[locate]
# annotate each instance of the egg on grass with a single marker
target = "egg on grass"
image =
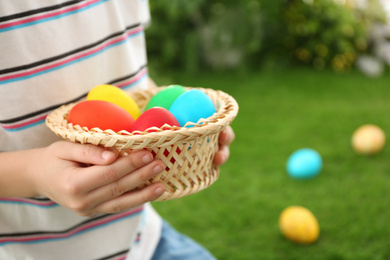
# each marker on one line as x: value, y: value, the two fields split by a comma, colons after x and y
x: 299, y: 225
x: 304, y: 163
x: 368, y: 139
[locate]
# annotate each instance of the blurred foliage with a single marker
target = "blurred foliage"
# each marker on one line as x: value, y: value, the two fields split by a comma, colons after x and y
x: 219, y: 35
x: 193, y: 34
x: 324, y: 33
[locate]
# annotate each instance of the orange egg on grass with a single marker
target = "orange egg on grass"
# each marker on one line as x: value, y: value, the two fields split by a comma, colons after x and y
x: 368, y: 139
x: 298, y: 224
x: 101, y: 114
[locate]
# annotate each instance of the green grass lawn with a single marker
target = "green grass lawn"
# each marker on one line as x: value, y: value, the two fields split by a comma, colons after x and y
x: 280, y: 112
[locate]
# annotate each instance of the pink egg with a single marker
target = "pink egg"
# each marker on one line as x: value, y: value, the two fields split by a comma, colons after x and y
x: 154, y: 117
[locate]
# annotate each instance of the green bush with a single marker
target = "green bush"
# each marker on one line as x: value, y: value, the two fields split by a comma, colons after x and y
x: 198, y: 34
x: 323, y: 33
x: 218, y: 35
x: 171, y: 39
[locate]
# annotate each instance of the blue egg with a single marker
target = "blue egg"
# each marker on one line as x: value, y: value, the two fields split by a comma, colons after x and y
x: 304, y: 163
x: 192, y: 106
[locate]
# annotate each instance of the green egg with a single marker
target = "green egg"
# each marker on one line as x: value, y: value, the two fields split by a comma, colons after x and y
x: 166, y: 97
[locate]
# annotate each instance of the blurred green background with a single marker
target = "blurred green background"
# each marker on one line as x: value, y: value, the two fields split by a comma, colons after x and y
x: 305, y: 74
x: 201, y: 35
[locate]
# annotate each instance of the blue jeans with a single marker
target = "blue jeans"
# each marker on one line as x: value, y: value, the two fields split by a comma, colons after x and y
x: 176, y: 246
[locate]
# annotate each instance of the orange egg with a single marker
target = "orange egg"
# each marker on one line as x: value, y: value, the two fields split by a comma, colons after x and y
x: 368, y: 139
x: 101, y: 114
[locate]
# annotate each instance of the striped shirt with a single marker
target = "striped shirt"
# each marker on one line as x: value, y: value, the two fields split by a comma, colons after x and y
x: 52, y: 52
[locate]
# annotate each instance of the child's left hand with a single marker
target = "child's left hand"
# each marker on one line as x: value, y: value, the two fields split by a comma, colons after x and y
x: 225, y: 139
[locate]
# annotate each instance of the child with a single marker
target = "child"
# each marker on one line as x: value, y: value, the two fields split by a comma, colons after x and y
x: 51, y: 205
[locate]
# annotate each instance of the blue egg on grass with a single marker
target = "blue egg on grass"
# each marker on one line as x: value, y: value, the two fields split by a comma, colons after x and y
x: 192, y: 106
x: 304, y: 163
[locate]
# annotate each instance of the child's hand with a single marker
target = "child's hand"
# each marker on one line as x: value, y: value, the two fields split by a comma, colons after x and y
x: 109, y: 185
x: 225, y: 139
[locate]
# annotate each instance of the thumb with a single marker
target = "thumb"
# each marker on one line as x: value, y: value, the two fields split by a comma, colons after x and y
x: 85, y: 153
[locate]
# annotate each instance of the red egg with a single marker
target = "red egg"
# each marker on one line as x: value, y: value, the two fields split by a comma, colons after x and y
x: 101, y: 114
x: 154, y: 117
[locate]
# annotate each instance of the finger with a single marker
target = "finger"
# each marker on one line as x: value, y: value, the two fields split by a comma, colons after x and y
x: 98, y: 176
x: 84, y: 153
x: 222, y: 155
x: 132, y: 199
x: 227, y: 136
x: 129, y: 182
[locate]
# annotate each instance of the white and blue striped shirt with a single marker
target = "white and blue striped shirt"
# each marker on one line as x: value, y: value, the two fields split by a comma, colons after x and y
x: 52, y: 52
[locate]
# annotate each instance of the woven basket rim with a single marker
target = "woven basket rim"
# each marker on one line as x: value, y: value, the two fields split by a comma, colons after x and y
x: 227, y: 109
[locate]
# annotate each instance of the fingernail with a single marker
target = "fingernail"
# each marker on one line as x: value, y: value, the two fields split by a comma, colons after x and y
x: 223, y: 136
x: 107, y: 154
x: 158, y: 192
x: 157, y: 169
x: 223, y: 159
x: 147, y: 158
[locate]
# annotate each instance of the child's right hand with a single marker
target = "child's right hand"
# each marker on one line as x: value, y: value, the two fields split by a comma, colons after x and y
x: 109, y: 185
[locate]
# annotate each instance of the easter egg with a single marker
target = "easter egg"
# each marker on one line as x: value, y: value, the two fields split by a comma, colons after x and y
x: 101, y: 114
x: 154, y: 117
x: 368, y: 139
x: 192, y: 106
x: 166, y: 97
x: 304, y: 163
x: 298, y: 224
x: 116, y: 96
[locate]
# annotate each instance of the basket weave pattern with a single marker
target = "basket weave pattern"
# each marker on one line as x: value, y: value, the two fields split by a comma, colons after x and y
x: 187, y: 152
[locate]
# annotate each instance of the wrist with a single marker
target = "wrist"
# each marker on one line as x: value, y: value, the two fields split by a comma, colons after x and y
x: 17, y: 170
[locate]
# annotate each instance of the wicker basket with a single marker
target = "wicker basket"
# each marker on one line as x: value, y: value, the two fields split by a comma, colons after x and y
x: 187, y: 152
